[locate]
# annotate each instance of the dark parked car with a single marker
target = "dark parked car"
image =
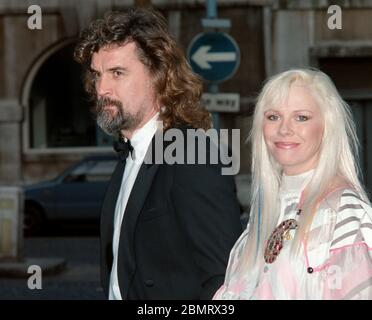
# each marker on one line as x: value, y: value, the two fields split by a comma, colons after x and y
x: 76, y: 194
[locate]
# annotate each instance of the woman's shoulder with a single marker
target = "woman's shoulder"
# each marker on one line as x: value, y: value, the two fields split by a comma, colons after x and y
x: 352, y: 200
x: 353, y: 219
x: 342, y: 195
x: 344, y: 221
x: 346, y: 200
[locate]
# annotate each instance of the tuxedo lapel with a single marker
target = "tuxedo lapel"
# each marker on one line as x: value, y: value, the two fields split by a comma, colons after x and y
x: 137, y: 197
x: 107, y: 222
x: 139, y: 192
x: 112, y: 192
x: 134, y: 206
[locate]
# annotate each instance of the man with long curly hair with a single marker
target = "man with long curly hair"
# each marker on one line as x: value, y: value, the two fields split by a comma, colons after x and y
x: 166, y: 230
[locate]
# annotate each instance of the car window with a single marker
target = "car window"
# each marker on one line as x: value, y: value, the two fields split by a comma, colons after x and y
x: 83, y: 168
x: 78, y: 174
x: 101, y: 170
x: 92, y: 171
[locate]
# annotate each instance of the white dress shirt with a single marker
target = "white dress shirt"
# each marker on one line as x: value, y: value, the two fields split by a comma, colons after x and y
x: 140, y: 141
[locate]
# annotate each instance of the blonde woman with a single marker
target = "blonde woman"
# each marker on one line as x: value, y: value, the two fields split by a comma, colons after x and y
x: 310, y: 231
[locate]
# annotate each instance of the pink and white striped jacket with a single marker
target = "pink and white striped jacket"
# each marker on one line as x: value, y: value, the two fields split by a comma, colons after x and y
x: 336, y: 263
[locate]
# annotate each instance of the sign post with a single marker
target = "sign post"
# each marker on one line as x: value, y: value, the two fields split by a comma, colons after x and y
x: 215, y: 56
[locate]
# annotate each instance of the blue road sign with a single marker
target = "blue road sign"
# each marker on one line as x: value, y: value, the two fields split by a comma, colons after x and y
x: 215, y: 56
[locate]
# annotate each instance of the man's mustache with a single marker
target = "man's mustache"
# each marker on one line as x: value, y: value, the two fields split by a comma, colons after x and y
x: 105, y: 101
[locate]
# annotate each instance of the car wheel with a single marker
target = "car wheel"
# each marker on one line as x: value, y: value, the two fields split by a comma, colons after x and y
x: 33, y: 220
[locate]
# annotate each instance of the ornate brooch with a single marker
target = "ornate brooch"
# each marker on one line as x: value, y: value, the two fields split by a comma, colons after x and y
x: 275, y: 243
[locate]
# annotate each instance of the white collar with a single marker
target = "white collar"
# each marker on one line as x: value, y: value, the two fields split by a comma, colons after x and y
x: 142, y: 137
x: 296, y: 183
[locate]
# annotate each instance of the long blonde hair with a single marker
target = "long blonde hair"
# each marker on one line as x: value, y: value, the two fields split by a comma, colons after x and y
x: 338, y: 158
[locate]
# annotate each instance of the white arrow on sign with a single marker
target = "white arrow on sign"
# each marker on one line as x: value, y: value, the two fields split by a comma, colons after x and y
x: 201, y: 57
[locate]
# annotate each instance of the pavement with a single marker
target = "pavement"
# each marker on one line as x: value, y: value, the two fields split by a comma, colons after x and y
x: 76, y: 274
x: 23, y: 267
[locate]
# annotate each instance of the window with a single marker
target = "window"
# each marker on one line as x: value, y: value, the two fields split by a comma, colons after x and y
x: 59, y: 108
x: 92, y: 171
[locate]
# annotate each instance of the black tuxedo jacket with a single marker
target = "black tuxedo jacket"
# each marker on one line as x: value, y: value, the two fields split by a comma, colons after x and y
x: 179, y: 226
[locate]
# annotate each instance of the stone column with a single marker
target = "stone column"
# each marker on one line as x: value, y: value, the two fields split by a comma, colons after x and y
x: 11, y: 115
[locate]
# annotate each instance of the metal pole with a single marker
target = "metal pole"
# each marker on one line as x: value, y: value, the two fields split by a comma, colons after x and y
x: 211, y: 9
x: 213, y: 87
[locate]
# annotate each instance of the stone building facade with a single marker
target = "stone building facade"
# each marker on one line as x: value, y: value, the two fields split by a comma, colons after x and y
x: 45, y: 123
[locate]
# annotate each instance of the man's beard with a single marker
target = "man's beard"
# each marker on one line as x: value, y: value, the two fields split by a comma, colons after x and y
x: 113, y: 122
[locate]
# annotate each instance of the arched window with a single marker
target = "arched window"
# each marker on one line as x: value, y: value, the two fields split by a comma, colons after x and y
x: 59, y: 110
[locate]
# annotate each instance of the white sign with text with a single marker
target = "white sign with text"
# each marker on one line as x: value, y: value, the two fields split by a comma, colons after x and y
x: 221, y: 102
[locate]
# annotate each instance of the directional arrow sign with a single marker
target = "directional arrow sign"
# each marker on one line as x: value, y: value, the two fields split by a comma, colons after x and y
x: 203, y: 56
x: 214, y: 56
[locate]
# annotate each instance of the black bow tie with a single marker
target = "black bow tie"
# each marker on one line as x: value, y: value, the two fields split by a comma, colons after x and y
x: 123, y: 148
